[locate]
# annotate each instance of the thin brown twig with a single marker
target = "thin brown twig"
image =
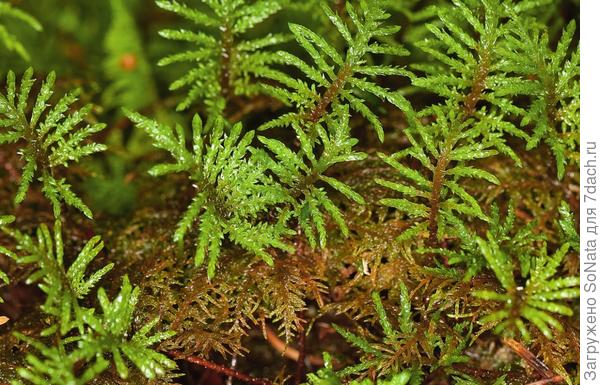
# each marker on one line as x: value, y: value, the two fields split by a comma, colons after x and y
x: 221, y: 369
x: 535, y: 363
x: 288, y: 351
x: 545, y: 381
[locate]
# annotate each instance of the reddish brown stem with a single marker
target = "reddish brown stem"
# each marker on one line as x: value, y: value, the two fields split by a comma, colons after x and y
x: 226, y: 53
x: 478, y: 84
x: 434, y: 201
x: 330, y: 94
x: 470, y: 102
x: 221, y: 369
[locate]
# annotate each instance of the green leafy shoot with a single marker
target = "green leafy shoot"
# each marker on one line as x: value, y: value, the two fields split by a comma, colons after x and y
x: 47, y: 138
x: 327, y: 376
x: 433, y: 195
x: 336, y: 78
x: 468, y: 67
x: 223, y: 56
x: 234, y: 190
x: 4, y: 221
x: 106, y: 334
x: 81, y: 338
x: 54, y: 366
x: 567, y: 226
x: 521, y: 241
x: 387, y: 357
x: 477, y: 85
x: 550, y: 79
x: 536, y: 301
x: 63, y: 287
x: 300, y: 171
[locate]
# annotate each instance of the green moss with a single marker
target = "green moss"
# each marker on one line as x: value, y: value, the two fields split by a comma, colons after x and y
x: 367, y: 182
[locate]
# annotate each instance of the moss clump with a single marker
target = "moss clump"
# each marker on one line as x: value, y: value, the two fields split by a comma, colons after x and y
x: 326, y: 193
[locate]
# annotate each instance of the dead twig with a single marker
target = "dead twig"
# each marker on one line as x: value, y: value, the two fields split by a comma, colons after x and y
x: 288, y: 351
x: 548, y: 375
x: 545, y: 381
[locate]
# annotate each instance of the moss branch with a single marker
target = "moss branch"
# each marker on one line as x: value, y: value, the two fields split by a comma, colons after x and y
x: 478, y: 85
x: 227, y: 44
x: 34, y: 145
x: 330, y: 94
x: 470, y: 103
x: 436, y: 190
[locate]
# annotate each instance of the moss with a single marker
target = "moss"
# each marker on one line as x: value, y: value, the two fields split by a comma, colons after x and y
x: 380, y: 193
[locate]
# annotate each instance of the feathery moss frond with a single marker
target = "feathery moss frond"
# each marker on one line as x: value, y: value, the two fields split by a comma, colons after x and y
x: 63, y: 287
x: 107, y: 332
x: 488, y: 62
x: 535, y: 302
x: 399, y: 343
x: 300, y: 171
x: 521, y: 242
x: 551, y: 81
x: 234, y: 190
x: 375, y: 355
x: 223, y: 59
x: 467, y: 66
x: 567, y: 226
x: 48, y: 138
x: 335, y: 78
x: 82, y: 337
x: 432, y: 195
x: 471, y: 123
x: 104, y: 335
x: 54, y: 366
